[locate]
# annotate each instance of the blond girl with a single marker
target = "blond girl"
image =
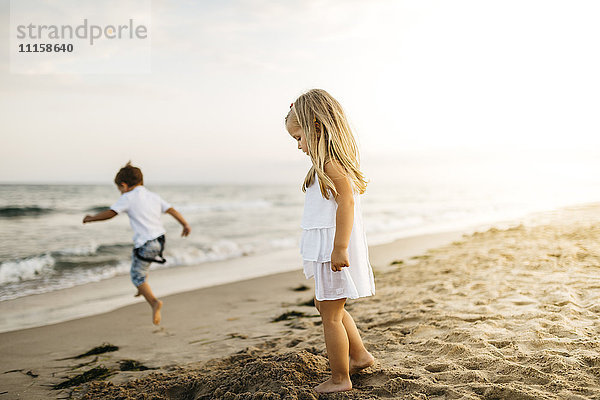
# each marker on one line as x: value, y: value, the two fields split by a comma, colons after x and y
x: 333, y: 245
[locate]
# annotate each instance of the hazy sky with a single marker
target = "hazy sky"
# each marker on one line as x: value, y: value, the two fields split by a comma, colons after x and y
x: 422, y: 81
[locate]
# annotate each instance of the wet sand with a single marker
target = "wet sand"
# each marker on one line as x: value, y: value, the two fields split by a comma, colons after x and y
x: 499, y: 314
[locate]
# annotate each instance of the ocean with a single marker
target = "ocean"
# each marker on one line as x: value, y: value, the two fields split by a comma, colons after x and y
x: 45, y: 247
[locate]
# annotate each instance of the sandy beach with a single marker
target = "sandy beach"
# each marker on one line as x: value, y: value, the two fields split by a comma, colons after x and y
x: 505, y: 313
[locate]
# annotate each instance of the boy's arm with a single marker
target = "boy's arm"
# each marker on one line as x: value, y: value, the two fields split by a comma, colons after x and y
x: 101, y: 216
x: 175, y: 214
x: 344, y: 217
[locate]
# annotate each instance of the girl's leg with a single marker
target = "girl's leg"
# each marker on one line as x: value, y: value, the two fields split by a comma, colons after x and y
x: 336, y: 341
x: 144, y: 290
x: 360, y: 358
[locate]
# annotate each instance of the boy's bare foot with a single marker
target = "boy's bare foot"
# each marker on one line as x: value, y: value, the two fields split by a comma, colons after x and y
x: 330, y: 387
x: 365, y: 361
x: 156, y: 312
x: 138, y: 293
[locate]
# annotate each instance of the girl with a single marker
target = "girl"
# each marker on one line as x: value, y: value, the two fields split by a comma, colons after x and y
x: 333, y: 245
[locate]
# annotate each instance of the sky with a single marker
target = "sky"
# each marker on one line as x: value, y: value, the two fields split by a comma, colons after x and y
x: 508, y: 86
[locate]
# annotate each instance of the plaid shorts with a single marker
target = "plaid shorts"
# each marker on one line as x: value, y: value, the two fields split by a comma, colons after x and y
x: 139, y: 268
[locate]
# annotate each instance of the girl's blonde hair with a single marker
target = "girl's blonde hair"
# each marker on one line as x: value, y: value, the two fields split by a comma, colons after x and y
x: 329, y: 139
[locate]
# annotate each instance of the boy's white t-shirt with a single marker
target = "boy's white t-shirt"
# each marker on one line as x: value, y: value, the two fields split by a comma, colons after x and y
x: 144, y: 209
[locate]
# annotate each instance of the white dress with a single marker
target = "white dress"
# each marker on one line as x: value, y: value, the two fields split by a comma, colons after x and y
x: 316, y: 245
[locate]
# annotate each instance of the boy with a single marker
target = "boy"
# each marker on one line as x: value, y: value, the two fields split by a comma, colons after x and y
x: 144, y: 209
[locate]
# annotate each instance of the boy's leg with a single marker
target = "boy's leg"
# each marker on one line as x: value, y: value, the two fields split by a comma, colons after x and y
x: 336, y: 341
x: 360, y: 358
x: 139, y: 272
x: 145, y: 290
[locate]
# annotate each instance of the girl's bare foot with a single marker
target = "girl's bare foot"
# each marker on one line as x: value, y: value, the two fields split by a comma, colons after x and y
x: 329, y: 386
x: 156, y: 312
x: 365, y: 361
x: 138, y: 293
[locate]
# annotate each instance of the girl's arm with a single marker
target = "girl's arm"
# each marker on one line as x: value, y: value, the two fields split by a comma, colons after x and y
x: 344, y: 218
x: 101, y: 216
x: 175, y: 214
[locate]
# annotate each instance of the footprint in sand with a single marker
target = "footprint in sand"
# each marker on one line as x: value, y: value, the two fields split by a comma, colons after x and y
x: 162, y: 331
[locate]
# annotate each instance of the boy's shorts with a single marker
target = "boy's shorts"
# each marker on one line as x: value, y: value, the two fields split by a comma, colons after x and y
x: 139, y: 268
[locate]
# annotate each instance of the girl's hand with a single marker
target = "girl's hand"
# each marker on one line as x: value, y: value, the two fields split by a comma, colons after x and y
x: 186, y: 230
x: 339, y: 259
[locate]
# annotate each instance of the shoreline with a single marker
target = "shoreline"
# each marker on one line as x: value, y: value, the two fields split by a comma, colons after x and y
x: 110, y: 294
x: 116, y: 292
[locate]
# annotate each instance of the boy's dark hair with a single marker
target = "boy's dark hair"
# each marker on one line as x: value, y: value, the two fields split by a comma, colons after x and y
x: 129, y: 175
